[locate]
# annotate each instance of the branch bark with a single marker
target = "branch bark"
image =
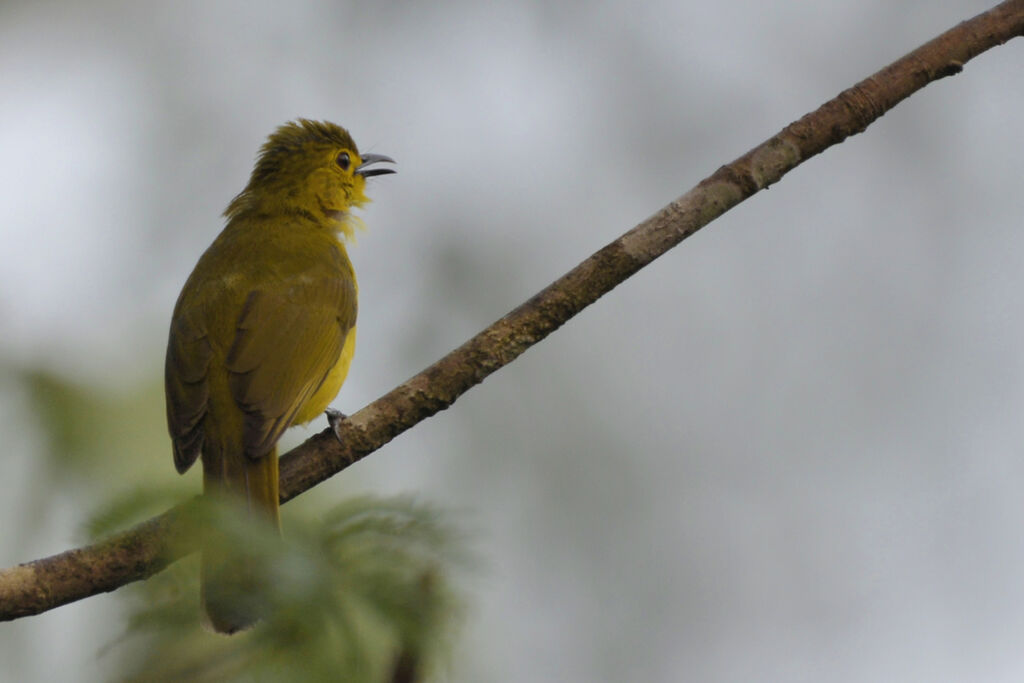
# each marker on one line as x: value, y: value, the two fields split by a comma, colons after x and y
x: 147, y: 548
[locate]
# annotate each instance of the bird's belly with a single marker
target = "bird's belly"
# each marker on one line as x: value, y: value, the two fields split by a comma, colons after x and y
x: 318, y: 402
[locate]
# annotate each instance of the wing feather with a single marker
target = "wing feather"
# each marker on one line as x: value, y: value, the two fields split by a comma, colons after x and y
x: 285, y: 345
x: 185, y: 378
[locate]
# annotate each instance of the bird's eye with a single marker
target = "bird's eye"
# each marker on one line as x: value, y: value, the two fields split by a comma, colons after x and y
x: 344, y: 161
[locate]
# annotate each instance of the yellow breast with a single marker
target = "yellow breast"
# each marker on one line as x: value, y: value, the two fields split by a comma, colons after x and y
x: 318, y: 402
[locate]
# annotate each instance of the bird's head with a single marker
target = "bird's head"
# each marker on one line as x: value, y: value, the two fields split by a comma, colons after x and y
x: 312, y: 168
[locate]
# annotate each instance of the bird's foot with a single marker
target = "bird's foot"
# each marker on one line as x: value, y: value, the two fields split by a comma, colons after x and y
x: 334, y: 419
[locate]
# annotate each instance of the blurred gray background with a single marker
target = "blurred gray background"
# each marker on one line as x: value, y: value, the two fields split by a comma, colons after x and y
x: 790, y: 450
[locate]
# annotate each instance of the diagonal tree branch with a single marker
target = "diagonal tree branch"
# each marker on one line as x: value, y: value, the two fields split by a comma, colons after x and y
x: 147, y: 548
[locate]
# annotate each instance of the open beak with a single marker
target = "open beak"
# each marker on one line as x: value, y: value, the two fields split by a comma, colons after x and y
x: 369, y: 159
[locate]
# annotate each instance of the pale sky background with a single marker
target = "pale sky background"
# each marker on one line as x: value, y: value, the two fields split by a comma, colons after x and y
x: 791, y: 450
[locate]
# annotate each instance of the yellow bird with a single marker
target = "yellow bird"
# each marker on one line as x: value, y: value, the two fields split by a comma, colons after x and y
x: 263, y: 333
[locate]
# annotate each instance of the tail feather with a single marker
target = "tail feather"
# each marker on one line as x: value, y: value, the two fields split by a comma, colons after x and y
x: 230, y: 584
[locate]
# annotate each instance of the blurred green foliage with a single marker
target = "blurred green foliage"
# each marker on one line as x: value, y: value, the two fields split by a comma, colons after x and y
x: 88, y: 426
x: 362, y: 593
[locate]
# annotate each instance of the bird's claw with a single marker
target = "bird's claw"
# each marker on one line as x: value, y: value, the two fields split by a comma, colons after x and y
x: 334, y: 419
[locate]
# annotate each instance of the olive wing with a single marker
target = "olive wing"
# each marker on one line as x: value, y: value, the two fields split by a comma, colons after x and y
x: 285, y: 345
x: 186, y: 370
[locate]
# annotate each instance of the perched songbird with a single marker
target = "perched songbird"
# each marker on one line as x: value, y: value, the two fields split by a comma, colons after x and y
x: 263, y: 334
